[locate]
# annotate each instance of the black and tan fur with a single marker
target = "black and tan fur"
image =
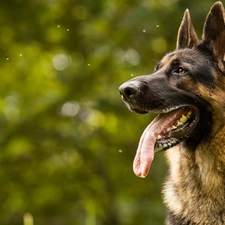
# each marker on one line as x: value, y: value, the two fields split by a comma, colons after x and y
x: 194, y: 191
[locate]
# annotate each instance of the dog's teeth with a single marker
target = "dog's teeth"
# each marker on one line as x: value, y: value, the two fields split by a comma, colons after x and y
x: 183, y: 119
x: 189, y: 114
x: 159, y: 137
x: 174, y: 127
x: 179, y: 123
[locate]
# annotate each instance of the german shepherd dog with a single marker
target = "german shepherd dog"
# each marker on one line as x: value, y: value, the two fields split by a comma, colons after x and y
x: 187, y: 90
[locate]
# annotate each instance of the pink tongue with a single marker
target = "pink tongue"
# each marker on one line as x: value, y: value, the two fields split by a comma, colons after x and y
x: 145, y: 152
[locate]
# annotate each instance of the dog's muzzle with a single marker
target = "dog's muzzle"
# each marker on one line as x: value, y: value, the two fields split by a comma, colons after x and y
x: 129, y: 90
x: 132, y: 94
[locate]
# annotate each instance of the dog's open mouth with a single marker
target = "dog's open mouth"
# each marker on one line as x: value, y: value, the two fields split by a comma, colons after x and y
x: 179, y: 124
x: 165, y: 131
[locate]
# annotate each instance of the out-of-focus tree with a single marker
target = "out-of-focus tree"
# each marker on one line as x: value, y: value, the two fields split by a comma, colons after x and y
x: 67, y: 140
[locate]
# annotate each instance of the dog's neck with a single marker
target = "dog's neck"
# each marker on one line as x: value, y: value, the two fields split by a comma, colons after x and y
x: 199, y: 173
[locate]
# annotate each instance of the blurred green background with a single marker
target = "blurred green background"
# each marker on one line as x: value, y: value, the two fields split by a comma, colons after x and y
x: 67, y: 140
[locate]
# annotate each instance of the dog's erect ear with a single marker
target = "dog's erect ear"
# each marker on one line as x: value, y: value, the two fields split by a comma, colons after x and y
x: 187, y: 38
x: 214, y: 30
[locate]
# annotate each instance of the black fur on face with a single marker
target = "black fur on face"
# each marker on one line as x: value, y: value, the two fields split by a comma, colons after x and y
x: 173, y: 85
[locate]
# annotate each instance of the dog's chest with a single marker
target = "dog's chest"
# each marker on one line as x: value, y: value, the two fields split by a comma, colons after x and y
x: 195, y: 188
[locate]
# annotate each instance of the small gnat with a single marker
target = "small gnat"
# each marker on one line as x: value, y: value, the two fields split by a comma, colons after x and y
x: 144, y: 31
x: 68, y: 30
x: 157, y: 25
x: 88, y: 64
x: 7, y: 59
x: 58, y: 26
x: 132, y: 74
x: 21, y: 55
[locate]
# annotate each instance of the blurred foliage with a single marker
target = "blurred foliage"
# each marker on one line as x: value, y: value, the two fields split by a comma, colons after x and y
x: 67, y: 140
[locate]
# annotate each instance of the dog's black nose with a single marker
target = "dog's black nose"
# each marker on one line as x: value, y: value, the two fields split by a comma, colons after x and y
x: 129, y: 89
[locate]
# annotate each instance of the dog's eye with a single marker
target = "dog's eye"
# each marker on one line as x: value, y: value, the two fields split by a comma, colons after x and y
x: 180, y: 71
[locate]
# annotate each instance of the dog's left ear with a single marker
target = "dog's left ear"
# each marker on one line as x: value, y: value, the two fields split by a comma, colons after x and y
x: 214, y: 30
x: 187, y: 37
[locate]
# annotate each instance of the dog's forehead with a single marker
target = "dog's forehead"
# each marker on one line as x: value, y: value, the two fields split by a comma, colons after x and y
x: 168, y: 58
x: 177, y: 56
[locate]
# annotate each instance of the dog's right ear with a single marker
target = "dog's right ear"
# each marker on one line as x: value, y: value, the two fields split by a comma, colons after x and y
x: 187, y: 37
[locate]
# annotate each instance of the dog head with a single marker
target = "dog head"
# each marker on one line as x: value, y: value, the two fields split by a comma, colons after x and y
x: 180, y: 90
